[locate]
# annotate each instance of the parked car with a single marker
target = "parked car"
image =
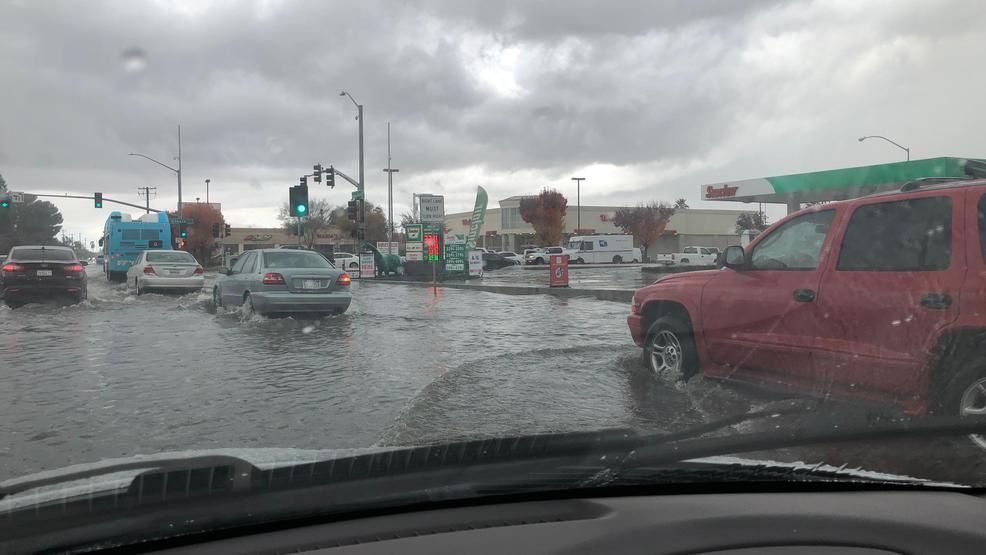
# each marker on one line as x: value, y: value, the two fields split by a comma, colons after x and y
x: 346, y: 260
x: 695, y: 256
x: 34, y: 272
x: 544, y: 255
x: 603, y: 249
x: 165, y: 271
x: 493, y: 261
x: 268, y: 281
x: 512, y: 256
x: 854, y: 299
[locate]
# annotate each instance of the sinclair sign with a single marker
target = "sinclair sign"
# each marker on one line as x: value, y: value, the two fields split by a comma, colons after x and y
x: 713, y: 192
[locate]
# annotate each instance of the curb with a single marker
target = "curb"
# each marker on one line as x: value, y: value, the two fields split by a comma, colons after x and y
x: 613, y: 295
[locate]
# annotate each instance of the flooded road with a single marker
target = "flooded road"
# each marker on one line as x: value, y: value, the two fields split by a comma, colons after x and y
x: 121, y: 375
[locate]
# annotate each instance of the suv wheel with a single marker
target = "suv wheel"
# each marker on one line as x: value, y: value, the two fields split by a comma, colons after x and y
x: 965, y: 394
x: 617, y: 259
x: 669, y: 350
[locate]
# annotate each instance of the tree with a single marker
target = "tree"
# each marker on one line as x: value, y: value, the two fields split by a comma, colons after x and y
x: 408, y: 218
x: 751, y: 220
x: 646, y: 222
x: 376, y: 224
x: 546, y: 214
x: 321, y: 216
x: 200, y: 241
x: 32, y: 222
x: 681, y: 204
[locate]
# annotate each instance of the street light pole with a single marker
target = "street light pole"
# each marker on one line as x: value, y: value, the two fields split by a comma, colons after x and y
x: 180, y: 206
x: 902, y: 147
x: 578, y: 199
x: 390, y: 196
x: 207, y: 191
x: 362, y: 215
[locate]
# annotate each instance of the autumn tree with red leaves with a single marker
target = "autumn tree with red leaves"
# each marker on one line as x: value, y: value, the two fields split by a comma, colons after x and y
x: 200, y: 242
x: 646, y: 222
x: 546, y: 213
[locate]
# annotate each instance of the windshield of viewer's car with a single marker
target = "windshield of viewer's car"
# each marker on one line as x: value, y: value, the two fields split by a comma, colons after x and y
x: 323, y: 228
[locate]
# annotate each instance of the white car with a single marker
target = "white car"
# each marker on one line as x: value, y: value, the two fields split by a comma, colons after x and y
x: 346, y: 260
x: 695, y: 256
x: 165, y: 270
x: 544, y: 255
x: 512, y: 256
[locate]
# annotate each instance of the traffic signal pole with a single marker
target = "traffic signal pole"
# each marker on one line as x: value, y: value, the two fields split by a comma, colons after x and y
x: 105, y: 199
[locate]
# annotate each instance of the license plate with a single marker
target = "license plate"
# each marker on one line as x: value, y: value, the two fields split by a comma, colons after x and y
x: 310, y: 284
x: 174, y: 272
x: 46, y: 273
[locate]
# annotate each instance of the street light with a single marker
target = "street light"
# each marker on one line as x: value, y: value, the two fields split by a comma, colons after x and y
x: 207, y: 190
x: 904, y: 148
x: 176, y: 170
x: 359, y: 116
x: 390, y: 194
x: 578, y: 199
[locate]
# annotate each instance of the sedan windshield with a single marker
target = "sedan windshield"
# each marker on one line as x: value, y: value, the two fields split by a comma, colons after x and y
x: 56, y: 255
x: 295, y: 260
x: 176, y: 257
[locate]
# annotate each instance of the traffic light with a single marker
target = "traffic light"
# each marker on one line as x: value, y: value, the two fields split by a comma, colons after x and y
x: 182, y: 232
x: 228, y: 231
x: 303, y: 182
x: 97, y: 199
x: 330, y: 177
x: 317, y: 174
x: 298, y: 200
x: 4, y: 201
x: 351, y: 211
x: 215, y: 230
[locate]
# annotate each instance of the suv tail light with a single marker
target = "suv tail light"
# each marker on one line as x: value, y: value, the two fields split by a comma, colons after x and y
x: 73, y: 268
x: 344, y: 279
x: 149, y: 270
x: 12, y: 268
x: 198, y: 271
x: 273, y: 279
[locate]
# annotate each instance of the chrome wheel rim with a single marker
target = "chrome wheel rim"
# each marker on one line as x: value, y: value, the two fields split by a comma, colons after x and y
x: 973, y: 404
x: 665, y: 354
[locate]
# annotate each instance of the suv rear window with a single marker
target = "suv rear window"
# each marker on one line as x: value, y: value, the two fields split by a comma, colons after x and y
x: 904, y: 235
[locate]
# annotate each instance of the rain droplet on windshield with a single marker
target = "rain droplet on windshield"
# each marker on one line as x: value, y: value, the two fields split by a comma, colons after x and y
x: 134, y: 60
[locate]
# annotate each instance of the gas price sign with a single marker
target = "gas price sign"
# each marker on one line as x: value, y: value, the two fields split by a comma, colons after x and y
x: 431, y: 247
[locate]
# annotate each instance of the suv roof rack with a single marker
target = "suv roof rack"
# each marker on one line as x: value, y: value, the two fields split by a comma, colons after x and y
x: 916, y: 184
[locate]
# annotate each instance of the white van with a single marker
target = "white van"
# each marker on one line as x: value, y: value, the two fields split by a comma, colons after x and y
x: 602, y: 249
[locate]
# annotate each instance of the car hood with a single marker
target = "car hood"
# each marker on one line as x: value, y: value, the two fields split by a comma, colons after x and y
x: 699, y: 277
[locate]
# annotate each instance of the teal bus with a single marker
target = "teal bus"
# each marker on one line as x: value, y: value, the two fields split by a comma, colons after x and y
x: 124, y: 238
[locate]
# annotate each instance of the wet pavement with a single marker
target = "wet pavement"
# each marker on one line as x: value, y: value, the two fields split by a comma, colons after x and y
x: 121, y: 375
x: 583, y: 276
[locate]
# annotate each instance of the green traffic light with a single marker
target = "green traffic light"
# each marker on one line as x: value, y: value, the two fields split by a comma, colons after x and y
x: 184, y: 234
x: 301, y: 209
x: 4, y: 204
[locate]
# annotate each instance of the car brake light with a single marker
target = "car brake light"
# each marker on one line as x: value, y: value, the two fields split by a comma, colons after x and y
x: 273, y: 279
x: 149, y: 270
x: 73, y: 268
x: 12, y: 268
x: 344, y: 279
x: 198, y: 271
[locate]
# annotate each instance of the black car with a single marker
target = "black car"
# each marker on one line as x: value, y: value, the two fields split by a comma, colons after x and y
x: 493, y: 261
x: 34, y: 272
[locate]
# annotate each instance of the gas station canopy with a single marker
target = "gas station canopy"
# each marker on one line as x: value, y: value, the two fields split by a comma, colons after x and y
x: 843, y: 183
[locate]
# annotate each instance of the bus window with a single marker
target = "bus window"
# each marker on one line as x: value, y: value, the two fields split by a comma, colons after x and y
x: 149, y: 234
x: 131, y: 235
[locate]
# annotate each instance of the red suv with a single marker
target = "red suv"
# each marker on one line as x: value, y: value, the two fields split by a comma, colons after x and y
x: 881, y: 298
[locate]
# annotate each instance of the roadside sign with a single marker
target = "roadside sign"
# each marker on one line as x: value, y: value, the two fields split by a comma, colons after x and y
x: 558, y: 270
x: 357, y: 195
x: 413, y: 232
x: 475, y: 263
x: 366, y: 265
x: 186, y: 221
x: 455, y: 257
x: 431, y: 208
x: 415, y: 251
x: 382, y: 247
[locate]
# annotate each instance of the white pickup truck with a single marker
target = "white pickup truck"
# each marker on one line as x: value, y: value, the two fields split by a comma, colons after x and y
x: 544, y: 255
x: 693, y: 256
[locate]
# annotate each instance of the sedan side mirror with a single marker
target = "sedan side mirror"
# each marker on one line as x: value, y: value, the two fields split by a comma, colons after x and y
x: 734, y: 257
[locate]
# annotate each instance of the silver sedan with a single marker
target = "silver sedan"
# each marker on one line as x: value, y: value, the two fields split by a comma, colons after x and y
x: 268, y: 281
x: 165, y: 270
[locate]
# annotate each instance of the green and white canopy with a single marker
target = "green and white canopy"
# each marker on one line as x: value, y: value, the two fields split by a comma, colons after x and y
x: 841, y: 183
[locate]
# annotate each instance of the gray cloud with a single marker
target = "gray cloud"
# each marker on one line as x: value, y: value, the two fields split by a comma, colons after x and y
x: 512, y: 95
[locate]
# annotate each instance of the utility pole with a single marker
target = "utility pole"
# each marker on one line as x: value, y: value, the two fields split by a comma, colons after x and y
x: 361, y: 228
x: 145, y: 193
x: 181, y: 207
x: 578, y: 199
x: 390, y: 195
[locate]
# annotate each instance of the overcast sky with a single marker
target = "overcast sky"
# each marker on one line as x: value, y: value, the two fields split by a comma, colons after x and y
x: 647, y: 99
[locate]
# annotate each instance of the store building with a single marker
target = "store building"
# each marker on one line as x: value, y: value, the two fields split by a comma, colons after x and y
x: 504, y: 229
x: 248, y: 238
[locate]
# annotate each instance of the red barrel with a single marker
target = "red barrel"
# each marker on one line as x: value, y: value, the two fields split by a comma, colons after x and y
x: 558, y: 269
